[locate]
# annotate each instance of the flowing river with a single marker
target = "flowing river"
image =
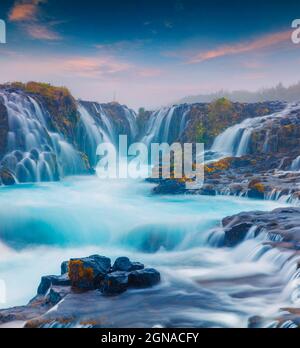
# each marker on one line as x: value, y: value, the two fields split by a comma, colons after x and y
x: 203, y: 285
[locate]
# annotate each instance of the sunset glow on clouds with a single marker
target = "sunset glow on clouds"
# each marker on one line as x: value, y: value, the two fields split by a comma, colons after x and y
x: 24, y: 10
x: 151, y: 54
x: 28, y: 14
x: 244, y: 47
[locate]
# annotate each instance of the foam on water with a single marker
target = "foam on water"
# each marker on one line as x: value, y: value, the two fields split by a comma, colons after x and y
x: 44, y: 224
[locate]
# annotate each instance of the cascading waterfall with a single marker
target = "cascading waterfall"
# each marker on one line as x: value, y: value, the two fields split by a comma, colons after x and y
x: 90, y: 134
x: 203, y: 283
x: 96, y: 126
x: 235, y: 140
x: 296, y: 164
x: 33, y: 152
x: 166, y: 124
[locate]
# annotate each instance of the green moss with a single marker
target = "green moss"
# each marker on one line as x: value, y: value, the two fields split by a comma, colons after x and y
x: 58, y: 101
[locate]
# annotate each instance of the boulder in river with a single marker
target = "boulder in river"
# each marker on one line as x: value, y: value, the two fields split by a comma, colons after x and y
x: 52, y: 280
x: 144, y: 278
x: 124, y: 264
x: 115, y: 283
x: 87, y: 273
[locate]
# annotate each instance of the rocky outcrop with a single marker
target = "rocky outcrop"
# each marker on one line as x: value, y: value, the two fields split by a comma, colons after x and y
x: 87, y: 281
x: 209, y: 120
x: 279, y: 135
x: 281, y: 227
x: 255, y: 176
x: 200, y: 122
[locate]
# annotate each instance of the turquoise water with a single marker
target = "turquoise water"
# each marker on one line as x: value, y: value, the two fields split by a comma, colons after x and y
x: 45, y: 223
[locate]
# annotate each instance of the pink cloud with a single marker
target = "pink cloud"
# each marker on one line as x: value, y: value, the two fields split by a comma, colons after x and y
x: 95, y: 67
x: 27, y: 13
x: 255, y: 45
x: 42, y: 32
x: 24, y: 10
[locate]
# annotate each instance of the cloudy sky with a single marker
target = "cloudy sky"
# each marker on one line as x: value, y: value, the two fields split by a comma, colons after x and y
x: 150, y: 52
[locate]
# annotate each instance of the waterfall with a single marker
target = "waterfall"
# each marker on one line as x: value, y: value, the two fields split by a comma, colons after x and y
x: 90, y: 134
x: 33, y: 152
x: 296, y: 164
x: 167, y: 124
x: 235, y: 140
x: 36, y: 152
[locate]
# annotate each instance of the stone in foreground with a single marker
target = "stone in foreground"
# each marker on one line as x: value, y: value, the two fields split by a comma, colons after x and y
x: 48, y: 281
x: 115, y: 283
x: 125, y: 265
x: 88, y: 273
x: 144, y: 278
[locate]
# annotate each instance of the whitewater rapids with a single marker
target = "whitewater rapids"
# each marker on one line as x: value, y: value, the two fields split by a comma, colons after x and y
x: 202, y: 285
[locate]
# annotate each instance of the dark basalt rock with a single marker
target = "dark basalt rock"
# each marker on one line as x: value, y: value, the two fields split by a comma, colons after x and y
x: 144, y: 278
x: 124, y: 264
x: 53, y: 289
x: 255, y: 176
x: 6, y: 177
x: 171, y: 187
x: 48, y: 281
x: 115, y: 283
x: 87, y: 273
x: 236, y: 234
x: 282, y: 226
x: 56, y: 294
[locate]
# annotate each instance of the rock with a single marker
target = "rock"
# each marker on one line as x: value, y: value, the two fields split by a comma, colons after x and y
x: 56, y: 294
x: 48, y: 281
x: 281, y: 226
x: 6, y: 177
x: 124, y: 264
x: 256, y: 189
x: 83, y: 308
x: 170, y: 187
x: 136, y: 266
x: 144, y: 278
x: 236, y: 234
x: 64, y: 267
x: 87, y: 273
x: 115, y: 283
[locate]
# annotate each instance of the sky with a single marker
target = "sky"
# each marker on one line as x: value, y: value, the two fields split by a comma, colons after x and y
x: 149, y: 53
